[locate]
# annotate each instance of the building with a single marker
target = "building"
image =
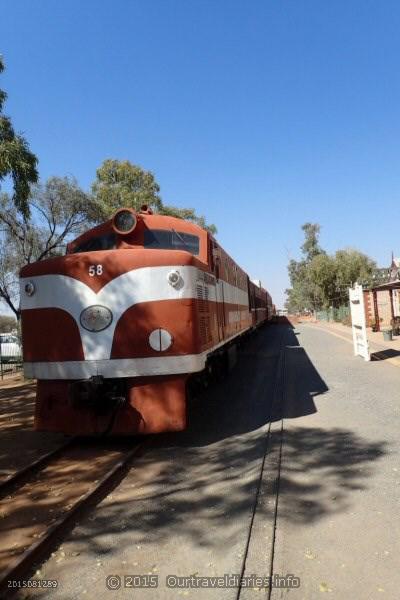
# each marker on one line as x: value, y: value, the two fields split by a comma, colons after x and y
x: 382, y: 301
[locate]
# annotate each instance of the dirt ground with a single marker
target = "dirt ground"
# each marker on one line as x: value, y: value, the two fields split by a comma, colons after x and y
x: 20, y: 445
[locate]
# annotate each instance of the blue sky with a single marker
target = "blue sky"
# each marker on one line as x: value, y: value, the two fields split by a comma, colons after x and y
x: 261, y: 115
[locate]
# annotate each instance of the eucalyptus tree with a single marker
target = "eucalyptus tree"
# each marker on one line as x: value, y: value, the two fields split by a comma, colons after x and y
x: 320, y: 280
x: 122, y: 183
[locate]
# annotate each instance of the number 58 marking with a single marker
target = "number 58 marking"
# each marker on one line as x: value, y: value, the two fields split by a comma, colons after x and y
x: 95, y: 270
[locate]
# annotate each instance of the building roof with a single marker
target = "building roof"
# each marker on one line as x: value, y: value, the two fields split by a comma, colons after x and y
x: 391, y: 285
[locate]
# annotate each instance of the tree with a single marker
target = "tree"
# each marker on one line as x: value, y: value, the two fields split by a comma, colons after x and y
x: 297, y: 295
x: 320, y: 280
x: 16, y: 160
x: 304, y: 294
x: 321, y: 277
x: 59, y: 210
x: 352, y: 266
x: 311, y: 247
x: 121, y: 183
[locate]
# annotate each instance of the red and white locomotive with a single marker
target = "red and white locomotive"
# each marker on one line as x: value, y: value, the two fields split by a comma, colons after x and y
x: 113, y: 329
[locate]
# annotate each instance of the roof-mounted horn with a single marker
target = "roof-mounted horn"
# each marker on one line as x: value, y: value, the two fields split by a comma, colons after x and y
x: 145, y: 210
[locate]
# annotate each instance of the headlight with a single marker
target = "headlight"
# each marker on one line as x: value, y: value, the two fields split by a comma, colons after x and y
x: 124, y: 221
x: 96, y: 318
x: 160, y: 339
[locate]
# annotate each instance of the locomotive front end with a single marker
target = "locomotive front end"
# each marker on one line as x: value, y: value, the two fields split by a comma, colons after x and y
x: 109, y: 329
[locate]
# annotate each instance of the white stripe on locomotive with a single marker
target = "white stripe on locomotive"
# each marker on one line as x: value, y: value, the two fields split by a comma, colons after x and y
x: 146, y: 284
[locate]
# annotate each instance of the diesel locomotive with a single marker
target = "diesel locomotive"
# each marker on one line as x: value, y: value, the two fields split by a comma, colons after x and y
x: 113, y: 329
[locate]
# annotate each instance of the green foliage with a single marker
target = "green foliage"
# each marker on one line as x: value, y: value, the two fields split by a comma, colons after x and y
x: 311, y: 247
x: 16, y: 160
x: 320, y: 281
x: 297, y: 296
x: 121, y: 183
x: 305, y: 293
x: 353, y: 266
x: 321, y: 275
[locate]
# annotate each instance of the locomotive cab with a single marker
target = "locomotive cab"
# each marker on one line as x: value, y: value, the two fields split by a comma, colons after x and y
x: 128, y: 230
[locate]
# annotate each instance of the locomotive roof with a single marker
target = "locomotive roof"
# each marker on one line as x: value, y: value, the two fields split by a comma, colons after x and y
x: 150, y: 220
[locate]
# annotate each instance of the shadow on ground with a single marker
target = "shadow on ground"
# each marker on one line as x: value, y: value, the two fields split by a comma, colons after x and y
x: 195, y: 495
x: 384, y: 354
x: 251, y: 396
x: 205, y: 478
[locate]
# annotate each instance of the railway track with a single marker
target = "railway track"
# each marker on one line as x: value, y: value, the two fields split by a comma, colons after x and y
x: 43, y: 501
x: 275, y: 467
x: 23, y: 474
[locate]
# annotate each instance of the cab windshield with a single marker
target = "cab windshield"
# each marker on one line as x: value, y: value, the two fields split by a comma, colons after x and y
x: 103, y: 242
x: 169, y: 239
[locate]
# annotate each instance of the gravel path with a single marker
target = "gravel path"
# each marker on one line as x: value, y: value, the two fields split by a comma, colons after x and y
x: 338, y: 526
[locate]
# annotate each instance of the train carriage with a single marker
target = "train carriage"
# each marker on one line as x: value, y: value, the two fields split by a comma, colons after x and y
x: 113, y: 329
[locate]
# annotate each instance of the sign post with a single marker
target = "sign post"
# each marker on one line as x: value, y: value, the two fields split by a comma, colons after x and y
x: 358, y: 322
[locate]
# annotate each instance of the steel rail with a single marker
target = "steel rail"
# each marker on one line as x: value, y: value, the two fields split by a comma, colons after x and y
x: 24, y: 565
x: 21, y: 476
